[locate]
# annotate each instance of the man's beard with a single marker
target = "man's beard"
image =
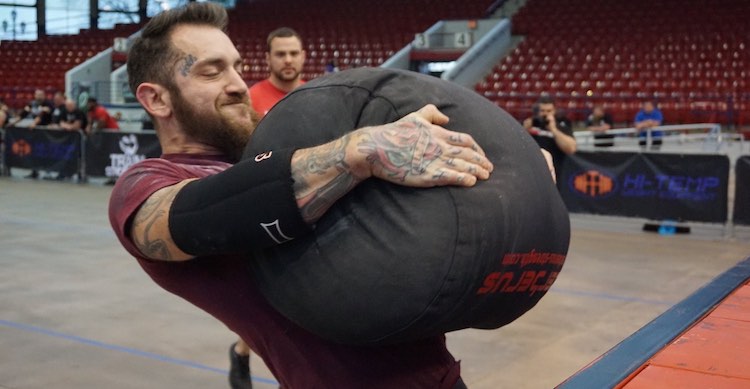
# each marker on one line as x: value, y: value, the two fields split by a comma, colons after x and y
x: 283, y: 77
x: 228, y: 135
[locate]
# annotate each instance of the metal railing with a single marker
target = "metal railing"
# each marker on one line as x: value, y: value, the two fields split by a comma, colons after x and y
x: 705, y: 137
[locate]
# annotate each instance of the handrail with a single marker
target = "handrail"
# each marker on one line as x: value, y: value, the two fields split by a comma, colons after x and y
x: 493, y: 7
x: 714, y: 137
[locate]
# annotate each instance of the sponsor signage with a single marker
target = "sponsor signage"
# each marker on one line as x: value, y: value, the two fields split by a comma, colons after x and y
x: 655, y: 186
x: 43, y: 149
x: 109, y: 154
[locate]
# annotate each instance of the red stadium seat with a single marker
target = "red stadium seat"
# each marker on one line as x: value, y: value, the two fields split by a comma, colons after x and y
x: 688, y: 57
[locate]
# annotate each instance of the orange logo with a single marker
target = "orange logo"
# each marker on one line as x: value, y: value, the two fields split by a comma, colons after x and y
x: 21, y: 148
x: 593, y: 183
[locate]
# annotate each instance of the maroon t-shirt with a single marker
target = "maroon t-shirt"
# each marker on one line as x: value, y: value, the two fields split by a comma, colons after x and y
x: 223, y: 287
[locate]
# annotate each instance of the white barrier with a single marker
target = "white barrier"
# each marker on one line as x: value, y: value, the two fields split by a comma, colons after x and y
x: 708, y: 137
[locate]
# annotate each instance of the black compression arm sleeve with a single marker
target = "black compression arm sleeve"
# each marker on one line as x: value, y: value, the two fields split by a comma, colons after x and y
x: 250, y: 205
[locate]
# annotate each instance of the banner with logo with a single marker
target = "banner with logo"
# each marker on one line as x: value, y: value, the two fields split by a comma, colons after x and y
x: 109, y: 154
x: 654, y: 186
x: 43, y: 149
x: 742, y: 191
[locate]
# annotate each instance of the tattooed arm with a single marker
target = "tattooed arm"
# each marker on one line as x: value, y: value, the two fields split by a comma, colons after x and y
x: 150, y: 227
x: 412, y: 151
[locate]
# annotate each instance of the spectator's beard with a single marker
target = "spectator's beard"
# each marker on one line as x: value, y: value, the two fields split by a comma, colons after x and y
x: 287, y: 74
x: 227, y: 126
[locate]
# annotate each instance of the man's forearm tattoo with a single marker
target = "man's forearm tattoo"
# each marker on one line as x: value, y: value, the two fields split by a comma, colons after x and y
x: 321, y: 159
x: 324, y: 197
x: 327, y: 160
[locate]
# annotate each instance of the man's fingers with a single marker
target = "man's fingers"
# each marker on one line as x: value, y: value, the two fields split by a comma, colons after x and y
x: 445, y: 177
x: 470, y: 156
x: 456, y: 144
x: 462, y: 166
x: 461, y: 139
x: 433, y: 115
x: 463, y: 146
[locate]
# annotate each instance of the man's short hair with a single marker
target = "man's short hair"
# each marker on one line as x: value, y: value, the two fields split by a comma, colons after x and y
x: 545, y: 100
x: 283, y: 32
x: 152, y: 56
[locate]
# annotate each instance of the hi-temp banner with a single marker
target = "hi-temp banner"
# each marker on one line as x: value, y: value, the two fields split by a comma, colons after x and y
x: 653, y: 186
x: 111, y: 153
x: 43, y: 149
x: 742, y: 191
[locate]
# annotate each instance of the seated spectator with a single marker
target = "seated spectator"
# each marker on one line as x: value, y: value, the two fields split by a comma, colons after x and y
x: 74, y: 119
x: 645, y: 120
x: 99, y: 118
x: 599, y: 122
x: 38, y: 110
x: 58, y: 113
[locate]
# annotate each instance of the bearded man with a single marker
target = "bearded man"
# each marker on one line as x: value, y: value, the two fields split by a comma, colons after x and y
x: 285, y: 58
x: 191, y: 217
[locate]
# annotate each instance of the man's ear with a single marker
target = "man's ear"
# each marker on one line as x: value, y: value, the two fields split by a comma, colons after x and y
x: 155, y: 99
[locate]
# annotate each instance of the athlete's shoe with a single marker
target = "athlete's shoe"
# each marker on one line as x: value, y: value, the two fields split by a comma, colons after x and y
x: 239, y: 370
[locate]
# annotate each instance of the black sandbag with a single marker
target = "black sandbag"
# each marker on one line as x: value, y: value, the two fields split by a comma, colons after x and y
x: 392, y: 264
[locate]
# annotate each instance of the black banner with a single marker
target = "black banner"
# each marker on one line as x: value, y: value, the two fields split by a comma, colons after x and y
x: 654, y: 186
x: 742, y: 191
x: 109, y: 154
x: 43, y: 149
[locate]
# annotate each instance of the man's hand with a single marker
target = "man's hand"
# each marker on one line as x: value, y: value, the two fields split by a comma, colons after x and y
x: 646, y: 124
x: 415, y: 151
x: 602, y: 128
x: 550, y: 164
x: 528, y: 123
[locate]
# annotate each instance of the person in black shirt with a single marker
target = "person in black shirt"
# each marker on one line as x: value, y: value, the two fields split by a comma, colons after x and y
x: 599, y: 122
x: 58, y: 113
x: 40, y: 109
x: 552, y: 132
x: 74, y: 119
